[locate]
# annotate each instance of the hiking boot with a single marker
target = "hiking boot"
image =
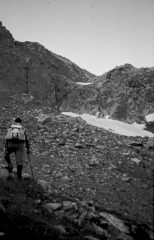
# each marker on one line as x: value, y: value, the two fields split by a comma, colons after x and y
x: 9, y: 168
x: 19, y: 172
x: 10, y: 177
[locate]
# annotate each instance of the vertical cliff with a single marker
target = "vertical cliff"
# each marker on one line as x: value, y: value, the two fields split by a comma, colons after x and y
x: 27, y: 67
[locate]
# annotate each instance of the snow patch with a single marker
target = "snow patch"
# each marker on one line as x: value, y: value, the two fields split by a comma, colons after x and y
x: 150, y: 117
x: 113, y: 125
x: 84, y: 84
x: 71, y: 114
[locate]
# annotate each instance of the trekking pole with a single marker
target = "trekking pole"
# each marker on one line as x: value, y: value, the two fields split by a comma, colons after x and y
x: 30, y: 165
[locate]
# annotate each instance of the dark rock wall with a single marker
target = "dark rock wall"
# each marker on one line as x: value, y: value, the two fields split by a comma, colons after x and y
x: 27, y: 67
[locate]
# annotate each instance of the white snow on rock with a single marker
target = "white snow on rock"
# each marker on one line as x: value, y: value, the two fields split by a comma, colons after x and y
x: 85, y: 84
x: 150, y: 117
x: 113, y: 125
x: 71, y: 114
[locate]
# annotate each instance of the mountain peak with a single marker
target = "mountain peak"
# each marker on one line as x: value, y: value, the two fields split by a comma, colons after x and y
x: 6, y: 37
x: 28, y: 67
x: 126, y: 65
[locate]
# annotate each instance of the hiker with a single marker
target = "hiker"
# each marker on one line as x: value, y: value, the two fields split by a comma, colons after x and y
x: 15, y: 140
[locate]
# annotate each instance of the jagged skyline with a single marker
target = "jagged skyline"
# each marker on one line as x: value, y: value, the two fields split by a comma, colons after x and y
x: 97, y: 35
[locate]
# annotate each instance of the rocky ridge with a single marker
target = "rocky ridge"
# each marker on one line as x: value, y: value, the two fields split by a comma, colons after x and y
x: 27, y: 67
x: 124, y: 93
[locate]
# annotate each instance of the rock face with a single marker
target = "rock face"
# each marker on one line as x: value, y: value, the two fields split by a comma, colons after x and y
x: 130, y: 95
x: 27, y: 67
x: 124, y: 93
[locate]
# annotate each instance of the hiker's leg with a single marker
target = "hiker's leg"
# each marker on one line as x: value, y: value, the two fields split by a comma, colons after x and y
x: 19, y: 171
x: 19, y: 159
x: 8, y: 151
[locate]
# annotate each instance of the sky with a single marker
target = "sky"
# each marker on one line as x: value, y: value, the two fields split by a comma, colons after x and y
x: 114, y: 126
x: 97, y: 35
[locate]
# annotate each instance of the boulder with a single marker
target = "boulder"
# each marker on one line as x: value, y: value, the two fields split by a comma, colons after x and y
x: 149, y: 143
x: 4, y: 174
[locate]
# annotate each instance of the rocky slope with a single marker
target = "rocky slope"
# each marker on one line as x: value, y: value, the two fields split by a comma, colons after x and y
x: 96, y: 170
x: 107, y: 178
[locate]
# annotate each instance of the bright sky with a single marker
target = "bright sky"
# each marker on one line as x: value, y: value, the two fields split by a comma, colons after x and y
x: 113, y: 125
x: 97, y: 35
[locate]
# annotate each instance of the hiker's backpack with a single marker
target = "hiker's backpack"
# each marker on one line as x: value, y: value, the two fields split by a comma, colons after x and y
x: 15, y: 132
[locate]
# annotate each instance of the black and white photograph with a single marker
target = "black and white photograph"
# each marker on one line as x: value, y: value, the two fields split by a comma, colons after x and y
x: 77, y: 119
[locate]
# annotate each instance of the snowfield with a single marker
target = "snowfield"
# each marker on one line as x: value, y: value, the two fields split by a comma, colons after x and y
x: 113, y: 125
x: 84, y: 84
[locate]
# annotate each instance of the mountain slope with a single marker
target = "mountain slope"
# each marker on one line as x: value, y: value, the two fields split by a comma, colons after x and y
x: 27, y: 67
x: 80, y: 162
x: 89, y: 164
x: 125, y: 93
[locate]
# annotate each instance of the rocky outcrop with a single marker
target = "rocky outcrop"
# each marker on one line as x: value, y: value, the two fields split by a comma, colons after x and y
x: 130, y: 95
x: 27, y: 67
x: 124, y: 93
x: 6, y: 38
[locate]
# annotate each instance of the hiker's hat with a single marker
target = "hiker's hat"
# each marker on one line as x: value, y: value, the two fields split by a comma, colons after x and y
x: 18, y: 120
